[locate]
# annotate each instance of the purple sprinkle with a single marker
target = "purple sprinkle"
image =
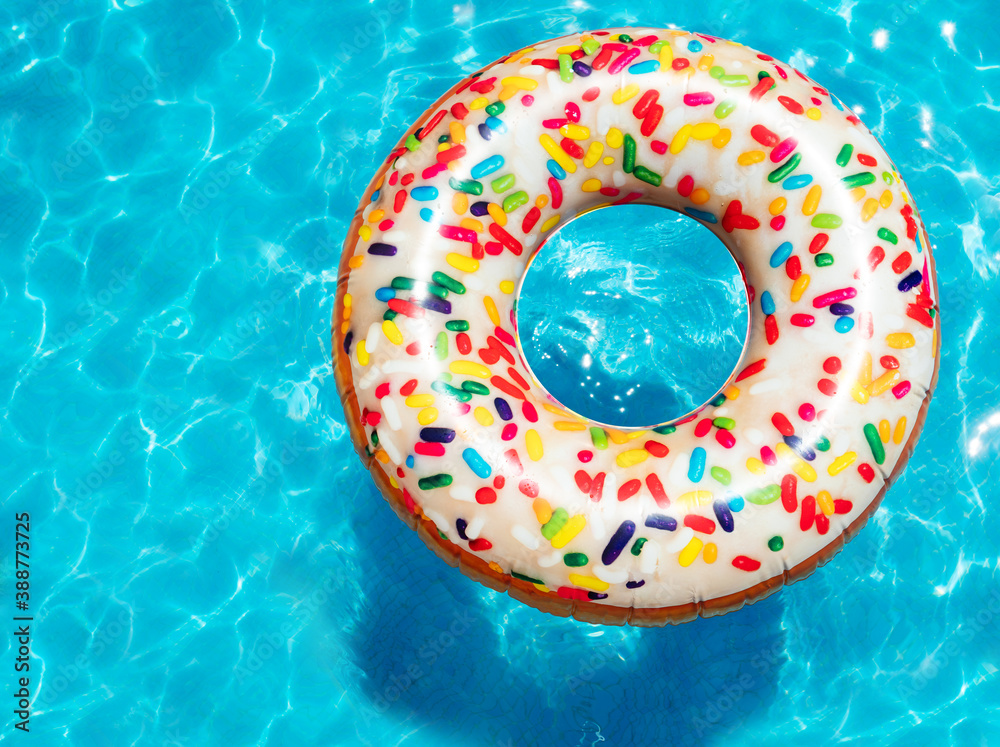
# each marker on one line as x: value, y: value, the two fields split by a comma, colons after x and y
x: 617, y: 542
x: 434, y: 303
x: 383, y: 250
x: 724, y: 515
x: 437, y: 435
x: 348, y: 339
x: 659, y: 521
x: 485, y: 132
x: 795, y: 444
x: 911, y: 281
x: 595, y: 595
x: 460, y: 525
x: 634, y: 584
x: 503, y: 409
x: 581, y: 68
x: 479, y: 209
x: 841, y: 309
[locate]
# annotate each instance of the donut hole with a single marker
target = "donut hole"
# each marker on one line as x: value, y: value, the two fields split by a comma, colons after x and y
x: 632, y: 316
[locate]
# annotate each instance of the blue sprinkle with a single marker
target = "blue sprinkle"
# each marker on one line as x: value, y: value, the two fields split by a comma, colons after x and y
x: 486, y: 166
x: 795, y: 443
x: 555, y: 169
x: 484, y: 131
x: 701, y: 215
x: 375, y: 194
x: 582, y: 69
x: 648, y: 66
x: 844, y: 324
x: 910, y: 282
x: 385, y: 294
x: 496, y: 124
x: 767, y: 303
x: 841, y: 309
x: 724, y: 515
x: 409, y: 461
x: 659, y: 521
x: 437, y: 435
x: 479, y: 209
x: 424, y: 194
x: 735, y: 503
x: 696, y: 467
x: 783, y: 252
x: 797, y: 182
x: 433, y: 303
x: 503, y: 409
x: 476, y: 463
x: 694, y: 46
x: 618, y: 542
x: 427, y: 214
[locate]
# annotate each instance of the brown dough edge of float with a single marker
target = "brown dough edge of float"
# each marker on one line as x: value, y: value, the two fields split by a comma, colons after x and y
x: 591, y: 612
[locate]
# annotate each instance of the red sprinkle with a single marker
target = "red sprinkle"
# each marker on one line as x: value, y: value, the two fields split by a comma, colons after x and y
x: 828, y: 387
x: 793, y: 267
x: 703, y: 427
x: 771, y: 329
x: 818, y: 242
x: 789, y: 499
x: 407, y: 389
x: 754, y: 368
x: 479, y: 545
x: 699, y: 523
x: 808, y: 514
x: 866, y: 471
x: 656, y: 449
x: 781, y: 423
x: 889, y: 362
x: 657, y: 491
x: 486, y: 495
x: 746, y: 564
x: 764, y: 136
x: 802, y: 320
x: 629, y: 489
x: 585, y: 456
x: 724, y: 437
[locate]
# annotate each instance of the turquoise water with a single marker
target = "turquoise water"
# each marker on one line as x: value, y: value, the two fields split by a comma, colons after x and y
x: 210, y: 563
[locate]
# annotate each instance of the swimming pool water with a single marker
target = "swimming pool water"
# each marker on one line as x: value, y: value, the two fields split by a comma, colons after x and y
x: 210, y: 562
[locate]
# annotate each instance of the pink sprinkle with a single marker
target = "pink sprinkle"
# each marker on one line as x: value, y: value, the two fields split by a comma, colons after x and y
x: 527, y: 99
x: 699, y: 99
x: 767, y: 456
x: 725, y: 438
x: 618, y: 65
x: 457, y: 233
x: 554, y: 124
x: 836, y: 296
x: 432, y: 171
x: 783, y: 149
x: 509, y: 431
x: 807, y: 412
x: 585, y: 456
x: 901, y: 389
x: 658, y: 147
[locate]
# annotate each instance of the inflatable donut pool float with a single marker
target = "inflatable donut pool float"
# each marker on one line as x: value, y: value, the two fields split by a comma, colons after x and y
x: 695, y: 517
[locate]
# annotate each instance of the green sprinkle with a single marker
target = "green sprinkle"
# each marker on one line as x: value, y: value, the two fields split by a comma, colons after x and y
x: 637, y: 547
x: 625, y: 38
x: 559, y: 518
x: 401, y: 283
x: 575, y: 559
x: 590, y: 46
x: 887, y: 177
x: 665, y: 430
x: 441, y: 346
x: 599, y: 438
x: 860, y: 179
x: 565, y: 68
x: 514, y: 201
x: 448, y: 282
x: 448, y: 390
x: 763, y: 74
x: 496, y: 108
x: 522, y: 577
x: 823, y: 444
x: 442, y: 535
x: 502, y: 183
x: 718, y: 401
x: 721, y: 475
x: 457, y: 325
x: 824, y: 260
x: 435, y: 481
x: 886, y: 235
x: 844, y: 157
x: 628, y: 161
x: 784, y: 169
x: 374, y: 438
x: 776, y: 543
x: 389, y: 315
x: 443, y: 138
x: 412, y: 143
x: 763, y: 496
x: 734, y: 81
x: 475, y: 387
x: 469, y: 186
x: 654, y: 48
x: 724, y: 109
x: 446, y: 376
x: 826, y: 220
x: 727, y: 424
x: 717, y: 71
x: 438, y: 291
x: 644, y: 174
x: 875, y: 443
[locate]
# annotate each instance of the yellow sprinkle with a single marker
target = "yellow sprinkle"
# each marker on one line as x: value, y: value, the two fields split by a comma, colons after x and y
x: 624, y: 94
x: 557, y: 153
x: 495, y: 567
x: 365, y: 232
x: 356, y: 262
x: 825, y: 502
x: 869, y: 209
x: 557, y: 410
x: 777, y: 207
x: 471, y: 223
x: 568, y: 49
x: 811, y: 202
x: 550, y: 223
x: 858, y: 194
x: 483, y: 416
x: 841, y: 463
x: 885, y: 200
x: 457, y: 132
x: 621, y: 437
x: 884, y: 383
x: 593, y: 154
x: 884, y: 431
x: 615, y: 138
x: 427, y: 416
x: 569, y: 425
x: 469, y: 368
x: 572, y: 528
x: 443, y: 146
x: 392, y: 481
x: 496, y: 212
x: 392, y: 333
x: 711, y: 552
x: 348, y: 300
x: 463, y: 263
x: 543, y: 511
x: 865, y: 377
x: 756, y: 466
x: 695, y: 498
x: 575, y: 131
x: 705, y: 130
x: 900, y: 340
x: 751, y: 157
x: 420, y: 400
x: 860, y: 394
x: 375, y: 216
x: 608, y: 160
x: 897, y: 435
x: 516, y: 81
x: 813, y: 113
x: 591, y: 185
x: 732, y: 392
x: 479, y: 103
x: 705, y: 63
x: 799, y: 466
x: 507, y: 92
x: 459, y: 203
x: 700, y: 196
x: 588, y: 582
x: 507, y: 286
x: 722, y: 139
x: 799, y: 287
x: 666, y: 57
x: 491, y: 309
x: 690, y: 552
x: 680, y: 139
x: 532, y: 440
x: 362, y: 353
x: 632, y: 457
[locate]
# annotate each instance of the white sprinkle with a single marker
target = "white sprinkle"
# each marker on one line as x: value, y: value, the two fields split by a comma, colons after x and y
x: 391, y: 412
x: 547, y: 561
x: 612, y: 577
x: 675, y: 541
x: 768, y: 385
x: 525, y: 536
x: 649, y: 558
x: 475, y: 527
x: 390, y: 447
